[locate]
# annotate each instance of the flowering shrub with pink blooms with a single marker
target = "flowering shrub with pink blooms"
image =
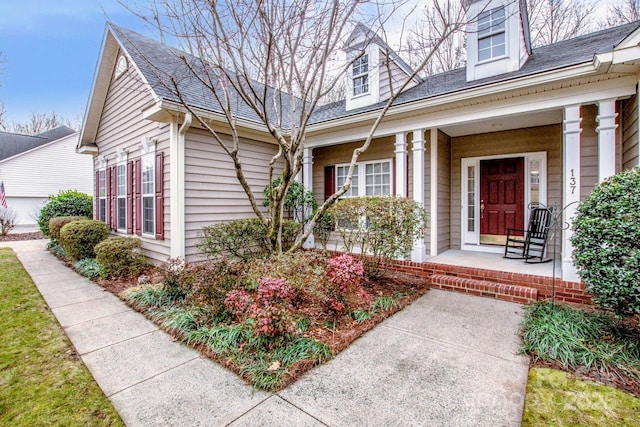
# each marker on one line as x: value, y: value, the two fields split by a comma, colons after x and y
x: 272, y: 290
x: 237, y: 302
x: 345, y: 290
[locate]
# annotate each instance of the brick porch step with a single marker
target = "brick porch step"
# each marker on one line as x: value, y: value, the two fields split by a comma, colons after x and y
x: 484, y: 288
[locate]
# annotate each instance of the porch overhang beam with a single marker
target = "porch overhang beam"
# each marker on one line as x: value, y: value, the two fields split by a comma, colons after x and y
x: 557, y: 99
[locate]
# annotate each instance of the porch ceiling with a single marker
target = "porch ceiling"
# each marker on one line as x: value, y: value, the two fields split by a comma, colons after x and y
x: 496, y: 124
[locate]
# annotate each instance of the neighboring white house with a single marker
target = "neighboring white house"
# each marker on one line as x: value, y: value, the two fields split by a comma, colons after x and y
x: 35, y: 167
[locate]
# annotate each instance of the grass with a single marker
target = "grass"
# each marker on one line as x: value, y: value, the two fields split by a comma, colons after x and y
x: 42, y: 380
x: 554, y: 398
x: 576, y: 338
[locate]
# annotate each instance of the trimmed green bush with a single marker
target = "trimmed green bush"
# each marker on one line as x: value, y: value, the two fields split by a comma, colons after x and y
x: 80, y: 237
x: 120, y: 256
x: 606, y: 243
x: 243, y: 238
x: 382, y: 227
x: 56, y: 224
x: 66, y: 203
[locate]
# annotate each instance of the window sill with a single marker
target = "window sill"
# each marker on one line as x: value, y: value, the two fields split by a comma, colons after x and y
x: 494, y: 59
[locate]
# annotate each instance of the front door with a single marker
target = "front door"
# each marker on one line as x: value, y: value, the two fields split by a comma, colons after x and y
x: 501, y: 198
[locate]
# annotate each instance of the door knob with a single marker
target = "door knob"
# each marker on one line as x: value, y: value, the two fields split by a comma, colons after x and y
x: 481, y: 208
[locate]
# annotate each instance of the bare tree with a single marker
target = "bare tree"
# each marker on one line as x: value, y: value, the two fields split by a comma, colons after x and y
x: 552, y: 21
x: 3, y: 124
x: 623, y: 12
x: 40, y: 122
x: 430, y: 30
x: 273, y: 57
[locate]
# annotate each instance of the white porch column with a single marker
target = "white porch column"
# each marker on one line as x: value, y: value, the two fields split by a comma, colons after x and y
x: 606, y: 138
x: 176, y: 179
x: 307, y: 182
x: 418, y: 253
x: 571, y: 185
x: 433, y: 205
x: 401, y: 165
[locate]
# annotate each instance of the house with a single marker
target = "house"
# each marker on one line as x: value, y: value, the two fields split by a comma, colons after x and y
x: 475, y: 146
x: 34, y: 167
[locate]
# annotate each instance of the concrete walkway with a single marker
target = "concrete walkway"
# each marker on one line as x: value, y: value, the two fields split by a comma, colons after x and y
x: 446, y: 360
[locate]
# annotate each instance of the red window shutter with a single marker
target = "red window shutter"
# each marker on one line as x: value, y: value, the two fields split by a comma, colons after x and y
x: 108, y: 190
x: 329, y: 181
x: 114, y: 198
x: 96, y: 197
x: 130, y: 198
x: 137, y: 196
x: 159, y: 211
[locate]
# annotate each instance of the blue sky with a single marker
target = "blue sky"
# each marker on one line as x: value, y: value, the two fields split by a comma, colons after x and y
x: 50, y: 49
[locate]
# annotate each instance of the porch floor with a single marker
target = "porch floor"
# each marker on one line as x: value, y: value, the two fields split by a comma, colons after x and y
x: 494, y: 261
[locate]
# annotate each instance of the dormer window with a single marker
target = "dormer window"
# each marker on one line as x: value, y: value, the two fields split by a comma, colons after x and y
x: 360, y: 73
x: 491, y: 34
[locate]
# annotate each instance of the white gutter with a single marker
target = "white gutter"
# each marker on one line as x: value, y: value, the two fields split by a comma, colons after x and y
x: 176, y: 179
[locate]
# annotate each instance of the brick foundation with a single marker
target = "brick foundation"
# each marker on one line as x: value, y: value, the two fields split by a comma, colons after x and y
x: 498, y: 284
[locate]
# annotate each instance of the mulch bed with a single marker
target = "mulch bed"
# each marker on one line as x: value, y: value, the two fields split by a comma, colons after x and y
x: 13, y: 237
x: 337, y: 338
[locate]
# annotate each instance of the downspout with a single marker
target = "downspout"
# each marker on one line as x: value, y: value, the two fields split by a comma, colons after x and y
x: 178, y: 240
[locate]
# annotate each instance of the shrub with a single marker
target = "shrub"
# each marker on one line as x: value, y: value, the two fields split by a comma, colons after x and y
x: 120, y: 256
x: 242, y: 238
x: 56, y: 224
x: 88, y: 267
x: 345, y: 278
x: 7, y: 220
x: 323, y: 228
x: 66, y: 203
x: 296, y: 202
x: 80, y: 237
x: 382, y: 227
x: 606, y: 243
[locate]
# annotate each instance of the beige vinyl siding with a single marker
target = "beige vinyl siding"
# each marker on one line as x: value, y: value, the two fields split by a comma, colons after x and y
x: 212, y: 191
x: 630, y: 132
x: 588, y: 150
x: 398, y: 77
x: 121, y: 126
x: 380, y: 148
x: 538, y: 139
x: 444, y: 192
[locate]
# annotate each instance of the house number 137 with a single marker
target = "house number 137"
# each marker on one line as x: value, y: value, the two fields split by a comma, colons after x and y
x: 572, y: 182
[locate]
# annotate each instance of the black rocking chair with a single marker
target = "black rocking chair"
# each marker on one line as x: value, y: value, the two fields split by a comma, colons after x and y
x: 532, y: 242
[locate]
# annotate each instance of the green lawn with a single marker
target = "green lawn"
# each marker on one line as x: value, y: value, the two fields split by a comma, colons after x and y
x: 42, y: 380
x: 555, y: 399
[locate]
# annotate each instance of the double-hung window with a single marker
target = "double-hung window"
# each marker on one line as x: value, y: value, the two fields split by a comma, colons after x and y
x: 121, y: 184
x: 360, y: 71
x: 491, y: 34
x: 375, y: 175
x: 102, y: 195
x: 148, y: 194
x: 341, y: 176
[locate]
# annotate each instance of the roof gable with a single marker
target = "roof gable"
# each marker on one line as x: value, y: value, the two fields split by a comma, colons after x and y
x: 12, y: 144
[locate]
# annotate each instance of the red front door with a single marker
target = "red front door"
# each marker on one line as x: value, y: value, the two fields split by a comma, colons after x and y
x: 501, y: 198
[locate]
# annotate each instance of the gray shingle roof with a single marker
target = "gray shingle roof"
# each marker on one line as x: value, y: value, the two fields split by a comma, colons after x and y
x: 157, y: 62
x: 545, y: 58
x: 15, y: 143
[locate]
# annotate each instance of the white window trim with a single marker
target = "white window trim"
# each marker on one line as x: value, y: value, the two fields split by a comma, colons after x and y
x: 471, y: 241
x: 490, y: 35
x: 121, y: 197
x: 362, y: 188
x: 151, y: 158
x: 102, y: 193
x: 359, y: 75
